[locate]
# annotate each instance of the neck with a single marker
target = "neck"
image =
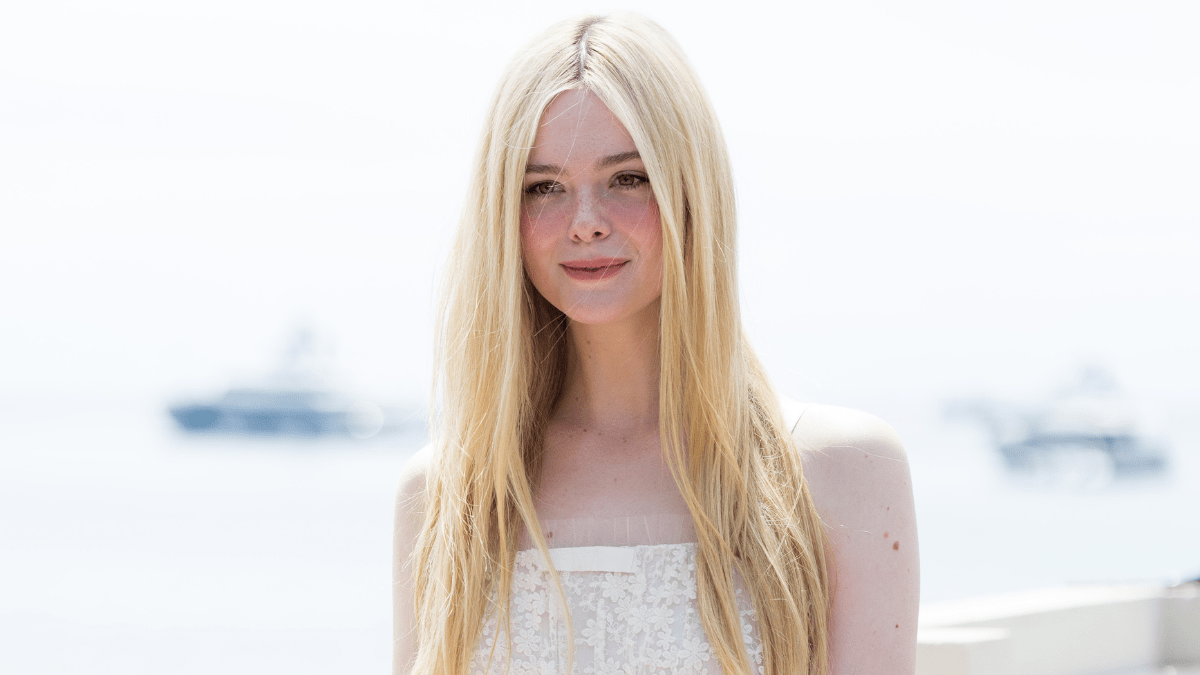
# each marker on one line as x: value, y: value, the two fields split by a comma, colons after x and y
x: 613, y: 374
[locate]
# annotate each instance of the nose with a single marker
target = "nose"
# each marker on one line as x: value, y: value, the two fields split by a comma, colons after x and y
x: 588, y: 223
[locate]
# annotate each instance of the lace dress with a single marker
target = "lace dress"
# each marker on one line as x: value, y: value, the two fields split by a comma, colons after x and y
x: 633, y: 604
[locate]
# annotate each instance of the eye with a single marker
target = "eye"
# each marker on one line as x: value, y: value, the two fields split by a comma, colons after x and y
x: 543, y: 188
x: 629, y: 181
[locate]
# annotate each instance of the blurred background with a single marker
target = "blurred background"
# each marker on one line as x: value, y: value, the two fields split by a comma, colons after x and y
x: 978, y: 220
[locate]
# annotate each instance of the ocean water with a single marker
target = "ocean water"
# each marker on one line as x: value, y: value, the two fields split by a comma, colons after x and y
x: 129, y: 547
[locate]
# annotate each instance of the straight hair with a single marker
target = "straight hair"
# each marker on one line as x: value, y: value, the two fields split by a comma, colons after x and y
x: 502, y: 354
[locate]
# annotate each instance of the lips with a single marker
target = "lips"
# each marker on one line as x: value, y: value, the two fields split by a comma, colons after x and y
x: 594, y: 269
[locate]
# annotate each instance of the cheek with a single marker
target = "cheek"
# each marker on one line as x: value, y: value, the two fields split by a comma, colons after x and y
x: 635, y: 211
x: 539, y: 222
x: 646, y: 230
x: 537, y: 244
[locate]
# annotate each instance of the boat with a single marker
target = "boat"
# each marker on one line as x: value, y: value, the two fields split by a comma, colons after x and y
x: 1089, y: 421
x: 294, y: 400
x: 302, y: 412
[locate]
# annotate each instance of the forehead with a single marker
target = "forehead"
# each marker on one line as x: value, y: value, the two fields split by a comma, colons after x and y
x: 578, y: 126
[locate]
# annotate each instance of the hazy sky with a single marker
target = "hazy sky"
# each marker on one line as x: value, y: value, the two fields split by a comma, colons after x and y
x: 933, y: 194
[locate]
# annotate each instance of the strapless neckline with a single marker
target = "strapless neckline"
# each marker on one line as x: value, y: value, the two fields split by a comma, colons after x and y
x: 632, y: 608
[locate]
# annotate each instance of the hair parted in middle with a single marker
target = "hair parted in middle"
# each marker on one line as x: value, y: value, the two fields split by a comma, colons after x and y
x: 502, y: 358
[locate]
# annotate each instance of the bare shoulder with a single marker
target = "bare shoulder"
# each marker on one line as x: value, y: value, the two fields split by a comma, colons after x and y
x: 410, y: 505
x: 839, y: 433
x: 857, y: 473
x: 410, y: 516
x: 851, y: 458
x: 410, y: 494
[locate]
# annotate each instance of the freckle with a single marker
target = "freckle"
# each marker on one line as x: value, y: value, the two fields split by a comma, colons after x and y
x: 897, y: 625
x: 885, y: 535
x: 896, y: 546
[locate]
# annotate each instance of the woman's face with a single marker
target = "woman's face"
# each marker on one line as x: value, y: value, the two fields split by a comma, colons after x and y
x: 590, y: 229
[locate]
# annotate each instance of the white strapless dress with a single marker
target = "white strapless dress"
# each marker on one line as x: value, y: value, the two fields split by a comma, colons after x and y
x: 633, y: 609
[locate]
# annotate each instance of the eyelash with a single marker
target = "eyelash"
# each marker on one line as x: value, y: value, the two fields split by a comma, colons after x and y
x: 536, y: 189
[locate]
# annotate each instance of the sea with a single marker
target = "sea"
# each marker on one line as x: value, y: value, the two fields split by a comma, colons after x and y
x: 130, y: 547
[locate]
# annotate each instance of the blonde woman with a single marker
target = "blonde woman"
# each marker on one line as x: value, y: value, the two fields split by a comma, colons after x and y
x: 613, y: 484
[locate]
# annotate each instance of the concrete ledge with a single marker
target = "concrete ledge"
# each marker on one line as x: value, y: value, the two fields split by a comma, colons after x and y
x: 1084, y: 630
x: 963, y: 651
x: 1181, y: 626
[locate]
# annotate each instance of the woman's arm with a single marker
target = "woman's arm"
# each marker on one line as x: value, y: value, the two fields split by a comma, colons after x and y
x: 858, y: 475
x: 409, y: 518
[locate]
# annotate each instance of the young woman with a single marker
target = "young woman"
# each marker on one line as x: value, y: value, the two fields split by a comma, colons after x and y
x: 613, y: 485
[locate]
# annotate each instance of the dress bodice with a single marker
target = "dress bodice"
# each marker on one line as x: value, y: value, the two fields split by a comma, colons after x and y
x: 633, y: 610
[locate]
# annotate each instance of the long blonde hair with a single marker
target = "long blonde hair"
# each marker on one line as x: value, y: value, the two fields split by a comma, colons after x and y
x: 502, y: 357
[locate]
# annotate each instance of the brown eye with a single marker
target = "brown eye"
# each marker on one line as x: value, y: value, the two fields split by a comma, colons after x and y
x: 629, y: 180
x: 543, y: 188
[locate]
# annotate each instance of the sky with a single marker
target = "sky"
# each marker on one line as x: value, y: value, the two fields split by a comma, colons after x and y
x: 935, y: 197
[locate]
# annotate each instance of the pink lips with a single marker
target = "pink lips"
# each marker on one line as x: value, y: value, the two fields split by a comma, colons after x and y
x: 593, y: 269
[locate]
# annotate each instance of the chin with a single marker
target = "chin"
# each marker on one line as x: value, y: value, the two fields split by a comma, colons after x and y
x: 594, y: 316
x: 600, y: 314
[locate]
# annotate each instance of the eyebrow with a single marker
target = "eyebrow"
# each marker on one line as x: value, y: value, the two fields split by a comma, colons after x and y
x: 554, y: 169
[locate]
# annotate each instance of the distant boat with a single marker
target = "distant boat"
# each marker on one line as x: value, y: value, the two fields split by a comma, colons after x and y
x: 281, y: 411
x: 292, y: 401
x: 1080, y: 426
x: 1128, y: 453
x: 1091, y: 417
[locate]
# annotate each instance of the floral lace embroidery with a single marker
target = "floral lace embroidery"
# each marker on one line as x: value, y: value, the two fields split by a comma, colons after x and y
x: 644, y: 622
